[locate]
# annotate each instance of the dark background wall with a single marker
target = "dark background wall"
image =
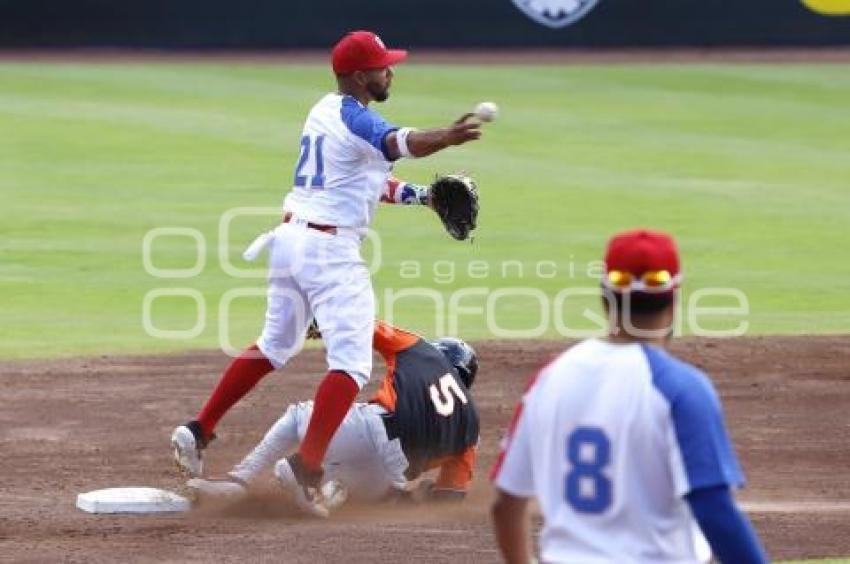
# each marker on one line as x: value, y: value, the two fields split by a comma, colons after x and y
x: 429, y: 23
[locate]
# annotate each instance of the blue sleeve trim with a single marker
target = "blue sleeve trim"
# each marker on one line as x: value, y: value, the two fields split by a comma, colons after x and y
x: 707, y: 452
x: 366, y: 124
x: 728, y: 531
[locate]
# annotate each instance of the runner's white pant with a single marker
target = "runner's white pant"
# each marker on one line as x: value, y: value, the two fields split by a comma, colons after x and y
x: 321, y: 275
x: 360, y: 455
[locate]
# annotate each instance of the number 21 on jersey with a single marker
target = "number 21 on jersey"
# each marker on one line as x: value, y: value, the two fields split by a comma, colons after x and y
x: 587, y: 488
x: 310, y: 170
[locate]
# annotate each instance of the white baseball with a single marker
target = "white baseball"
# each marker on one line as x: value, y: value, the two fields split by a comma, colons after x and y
x: 486, y: 111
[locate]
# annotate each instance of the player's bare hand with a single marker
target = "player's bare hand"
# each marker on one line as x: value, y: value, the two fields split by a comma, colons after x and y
x: 463, y: 130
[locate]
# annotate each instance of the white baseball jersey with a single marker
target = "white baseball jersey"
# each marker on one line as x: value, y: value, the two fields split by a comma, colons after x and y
x: 609, y: 438
x: 343, y: 166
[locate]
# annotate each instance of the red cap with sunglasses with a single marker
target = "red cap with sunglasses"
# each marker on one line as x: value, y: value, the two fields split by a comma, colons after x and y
x: 642, y: 260
x: 362, y: 51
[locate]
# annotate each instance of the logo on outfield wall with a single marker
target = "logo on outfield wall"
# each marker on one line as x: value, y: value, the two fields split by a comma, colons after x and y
x: 555, y: 13
x: 829, y: 7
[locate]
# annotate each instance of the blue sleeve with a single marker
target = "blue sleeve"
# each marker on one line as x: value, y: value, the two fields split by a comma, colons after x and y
x: 729, y: 532
x: 706, y: 451
x: 366, y: 124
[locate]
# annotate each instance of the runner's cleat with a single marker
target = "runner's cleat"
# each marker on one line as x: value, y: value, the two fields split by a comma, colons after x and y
x: 303, y: 484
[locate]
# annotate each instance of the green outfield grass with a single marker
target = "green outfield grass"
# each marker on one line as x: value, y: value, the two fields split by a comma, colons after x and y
x: 749, y: 166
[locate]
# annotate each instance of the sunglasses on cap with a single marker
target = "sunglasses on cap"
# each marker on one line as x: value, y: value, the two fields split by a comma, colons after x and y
x: 652, y: 281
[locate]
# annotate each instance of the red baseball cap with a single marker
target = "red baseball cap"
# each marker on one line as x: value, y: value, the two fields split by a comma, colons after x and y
x: 363, y: 50
x: 641, y: 251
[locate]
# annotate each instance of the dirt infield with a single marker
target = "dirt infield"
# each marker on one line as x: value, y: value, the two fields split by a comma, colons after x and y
x: 76, y: 425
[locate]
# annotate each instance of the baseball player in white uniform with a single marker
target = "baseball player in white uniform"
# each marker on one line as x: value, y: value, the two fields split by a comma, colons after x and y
x: 623, y: 445
x: 316, y: 271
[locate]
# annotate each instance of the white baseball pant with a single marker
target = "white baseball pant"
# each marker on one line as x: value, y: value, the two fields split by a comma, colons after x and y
x: 360, y: 454
x: 321, y: 275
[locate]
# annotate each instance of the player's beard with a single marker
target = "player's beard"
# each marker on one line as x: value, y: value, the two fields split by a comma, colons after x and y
x: 379, y: 93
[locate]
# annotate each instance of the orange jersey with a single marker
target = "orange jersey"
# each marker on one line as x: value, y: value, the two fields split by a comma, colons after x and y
x: 455, y: 470
x: 389, y: 341
x: 454, y: 450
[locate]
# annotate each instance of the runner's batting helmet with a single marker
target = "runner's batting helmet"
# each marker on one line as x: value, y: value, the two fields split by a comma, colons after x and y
x: 461, y: 356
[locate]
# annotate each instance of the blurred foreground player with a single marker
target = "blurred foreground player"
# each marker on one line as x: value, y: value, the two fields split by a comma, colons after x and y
x: 422, y: 418
x: 623, y: 445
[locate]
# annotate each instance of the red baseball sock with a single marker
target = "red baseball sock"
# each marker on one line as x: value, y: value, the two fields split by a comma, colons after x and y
x: 238, y: 379
x: 333, y: 399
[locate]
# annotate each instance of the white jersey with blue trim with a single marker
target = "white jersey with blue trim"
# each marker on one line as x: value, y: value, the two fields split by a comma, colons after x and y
x: 343, y: 165
x: 609, y: 439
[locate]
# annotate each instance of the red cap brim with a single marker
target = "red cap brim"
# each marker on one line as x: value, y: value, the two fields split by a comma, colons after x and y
x: 394, y: 56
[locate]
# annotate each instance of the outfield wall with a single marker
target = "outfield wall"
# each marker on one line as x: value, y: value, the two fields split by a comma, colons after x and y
x: 257, y: 24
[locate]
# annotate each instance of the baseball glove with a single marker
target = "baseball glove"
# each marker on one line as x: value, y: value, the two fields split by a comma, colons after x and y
x: 455, y: 199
